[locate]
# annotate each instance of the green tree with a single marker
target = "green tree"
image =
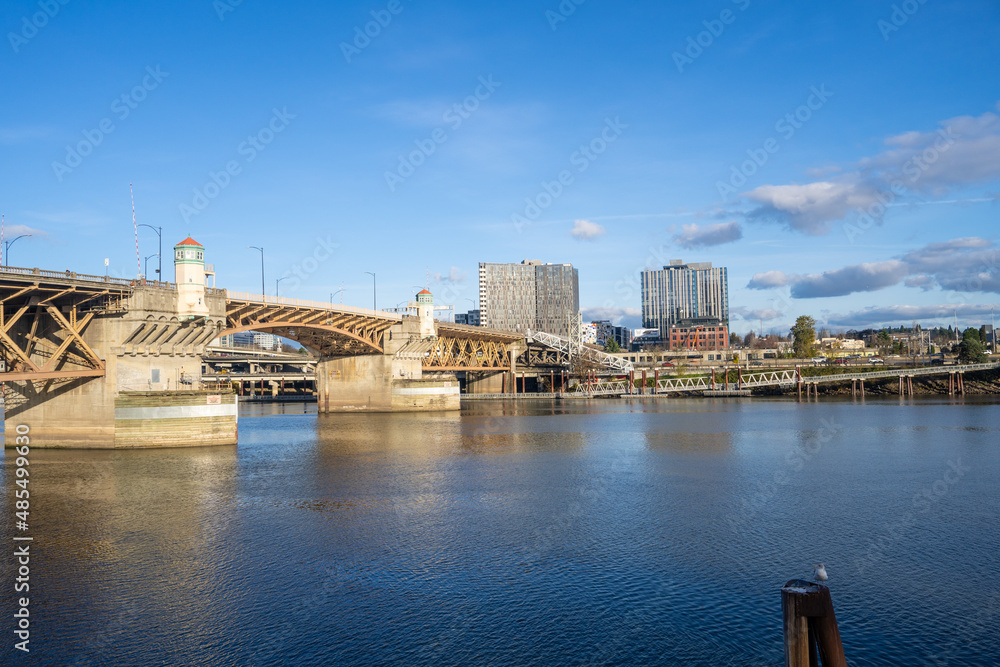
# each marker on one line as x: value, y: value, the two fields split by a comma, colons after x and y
x: 883, y: 341
x: 612, y: 346
x: 804, y: 336
x: 971, y: 334
x: 970, y: 351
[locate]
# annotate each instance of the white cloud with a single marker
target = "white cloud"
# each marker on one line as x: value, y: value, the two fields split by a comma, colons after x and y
x: 694, y: 236
x: 898, y: 314
x: 630, y: 317
x: 965, y: 151
x: 584, y: 230
x: 756, y: 314
x: 770, y: 279
x: 455, y: 275
x: 969, y: 264
x: 811, y: 208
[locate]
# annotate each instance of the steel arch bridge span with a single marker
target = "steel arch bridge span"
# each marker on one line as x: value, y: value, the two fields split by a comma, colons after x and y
x: 329, y: 341
x: 328, y: 331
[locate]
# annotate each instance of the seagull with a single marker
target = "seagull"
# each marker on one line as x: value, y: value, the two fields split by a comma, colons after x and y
x: 820, y: 573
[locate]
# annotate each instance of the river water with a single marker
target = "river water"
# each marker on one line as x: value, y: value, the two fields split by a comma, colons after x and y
x: 532, y: 533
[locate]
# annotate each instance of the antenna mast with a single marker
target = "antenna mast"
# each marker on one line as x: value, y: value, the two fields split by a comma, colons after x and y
x: 135, y: 228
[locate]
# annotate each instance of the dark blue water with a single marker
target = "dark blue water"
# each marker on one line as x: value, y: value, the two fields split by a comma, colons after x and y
x: 545, y: 533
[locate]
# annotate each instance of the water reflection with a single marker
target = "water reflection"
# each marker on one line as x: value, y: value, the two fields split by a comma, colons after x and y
x: 541, y: 532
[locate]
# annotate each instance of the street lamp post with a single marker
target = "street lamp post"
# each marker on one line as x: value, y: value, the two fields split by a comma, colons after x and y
x: 374, y: 290
x: 8, y: 244
x: 262, y: 292
x: 145, y: 264
x: 159, y: 233
x: 278, y: 282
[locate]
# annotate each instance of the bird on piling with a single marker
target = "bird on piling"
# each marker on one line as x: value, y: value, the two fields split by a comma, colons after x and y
x: 820, y: 573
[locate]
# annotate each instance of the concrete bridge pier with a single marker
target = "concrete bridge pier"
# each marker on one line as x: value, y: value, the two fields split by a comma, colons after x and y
x: 390, y: 382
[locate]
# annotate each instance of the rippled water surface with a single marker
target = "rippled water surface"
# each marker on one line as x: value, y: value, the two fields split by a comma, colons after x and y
x: 537, y: 533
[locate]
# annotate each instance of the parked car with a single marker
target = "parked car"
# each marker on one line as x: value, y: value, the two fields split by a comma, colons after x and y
x: 840, y: 361
x: 937, y: 362
x: 876, y: 360
x: 818, y: 360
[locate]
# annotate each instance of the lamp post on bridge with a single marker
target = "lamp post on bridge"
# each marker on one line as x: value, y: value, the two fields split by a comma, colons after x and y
x: 8, y: 244
x: 332, y: 294
x: 374, y: 292
x: 145, y: 264
x: 278, y: 282
x: 263, y: 293
x: 159, y: 233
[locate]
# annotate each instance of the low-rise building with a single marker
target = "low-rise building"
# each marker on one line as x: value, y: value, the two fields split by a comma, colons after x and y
x: 695, y: 335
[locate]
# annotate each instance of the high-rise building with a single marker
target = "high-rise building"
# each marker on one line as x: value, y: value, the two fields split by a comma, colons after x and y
x: 685, y: 295
x: 530, y: 295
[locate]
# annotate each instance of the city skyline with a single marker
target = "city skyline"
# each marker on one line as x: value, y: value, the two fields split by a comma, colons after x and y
x: 856, y: 183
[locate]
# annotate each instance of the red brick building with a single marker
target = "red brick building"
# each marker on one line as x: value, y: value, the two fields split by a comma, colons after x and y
x: 699, y: 337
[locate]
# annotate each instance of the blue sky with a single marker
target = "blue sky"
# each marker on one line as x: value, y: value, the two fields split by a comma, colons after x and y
x: 842, y: 159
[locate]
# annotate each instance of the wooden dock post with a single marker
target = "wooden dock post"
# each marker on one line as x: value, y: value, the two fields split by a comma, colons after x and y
x: 862, y: 389
x: 643, y: 381
x: 810, y: 625
x: 961, y: 384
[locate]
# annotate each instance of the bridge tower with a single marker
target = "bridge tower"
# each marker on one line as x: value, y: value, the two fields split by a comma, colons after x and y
x: 189, y: 274
x: 425, y: 311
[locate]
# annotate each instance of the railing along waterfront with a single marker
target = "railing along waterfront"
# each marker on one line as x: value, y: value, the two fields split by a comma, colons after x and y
x: 788, y: 377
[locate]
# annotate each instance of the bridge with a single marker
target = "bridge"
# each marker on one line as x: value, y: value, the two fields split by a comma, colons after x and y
x: 99, y: 361
x: 786, y: 378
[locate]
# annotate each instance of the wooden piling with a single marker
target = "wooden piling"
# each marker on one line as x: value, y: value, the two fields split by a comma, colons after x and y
x: 809, y: 621
x: 862, y: 389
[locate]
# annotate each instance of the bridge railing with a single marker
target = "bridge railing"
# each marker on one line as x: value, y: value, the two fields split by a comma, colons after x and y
x: 313, y: 305
x: 106, y: 280
x: 66, y: 275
